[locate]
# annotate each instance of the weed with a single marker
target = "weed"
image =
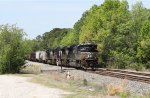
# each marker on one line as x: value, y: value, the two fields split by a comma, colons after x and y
x: 31, y: 69
x: 85, y: 82
x: 123, y: 94
x: 148, y: 94
x: 113, y: 89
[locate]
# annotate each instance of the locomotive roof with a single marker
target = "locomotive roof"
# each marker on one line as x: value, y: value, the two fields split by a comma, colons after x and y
x: 87, y: 43
x: 72, y: 46
x: 57, y: 49
x: 48, y: 50
x: 63, y: 48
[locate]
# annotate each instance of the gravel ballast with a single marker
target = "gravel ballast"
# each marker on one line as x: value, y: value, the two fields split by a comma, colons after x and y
x: 138, y: 88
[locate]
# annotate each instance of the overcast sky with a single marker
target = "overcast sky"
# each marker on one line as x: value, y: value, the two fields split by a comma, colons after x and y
x: 39, y: 16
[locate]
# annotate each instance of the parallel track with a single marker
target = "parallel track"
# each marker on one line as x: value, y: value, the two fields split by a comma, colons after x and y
x: 123, y: 74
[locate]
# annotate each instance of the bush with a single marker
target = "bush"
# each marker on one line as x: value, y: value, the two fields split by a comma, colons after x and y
x: 147, y: 65
x: 12, y: 51
x: 136, y: 66
x: 119, y: 60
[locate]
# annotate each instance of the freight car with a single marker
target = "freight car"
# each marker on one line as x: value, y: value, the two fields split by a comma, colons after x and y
x: 37, y: 56
x: 41, y: 56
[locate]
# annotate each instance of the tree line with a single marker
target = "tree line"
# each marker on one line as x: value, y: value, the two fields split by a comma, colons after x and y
x: 121, y: 33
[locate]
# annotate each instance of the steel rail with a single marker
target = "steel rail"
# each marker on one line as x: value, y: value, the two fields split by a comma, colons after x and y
x: 123, y: 74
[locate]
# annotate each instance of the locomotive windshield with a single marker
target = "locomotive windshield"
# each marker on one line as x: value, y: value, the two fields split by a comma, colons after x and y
x: 88, y: 48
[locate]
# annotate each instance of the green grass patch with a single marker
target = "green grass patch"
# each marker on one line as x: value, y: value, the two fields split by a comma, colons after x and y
x: 76, y: 87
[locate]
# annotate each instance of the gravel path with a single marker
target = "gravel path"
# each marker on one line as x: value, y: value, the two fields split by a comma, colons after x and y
x: 18, y: 87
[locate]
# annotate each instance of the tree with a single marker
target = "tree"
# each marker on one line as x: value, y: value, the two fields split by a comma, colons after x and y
x: 53, y: 38
x: 70, y: 39
x: 12, y: 49
x: 144, y: 44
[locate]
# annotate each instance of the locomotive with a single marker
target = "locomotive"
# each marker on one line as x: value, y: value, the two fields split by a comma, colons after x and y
x: 84, y: 55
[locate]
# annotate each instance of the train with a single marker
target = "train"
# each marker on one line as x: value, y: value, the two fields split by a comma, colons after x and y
x: 83, y: 55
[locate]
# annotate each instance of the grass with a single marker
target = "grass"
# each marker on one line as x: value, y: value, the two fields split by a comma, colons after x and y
x: 31, y: 69
x: 79, y: 88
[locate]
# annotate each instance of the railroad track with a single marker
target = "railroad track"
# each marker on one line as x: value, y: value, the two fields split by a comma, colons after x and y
x: 124, y: 74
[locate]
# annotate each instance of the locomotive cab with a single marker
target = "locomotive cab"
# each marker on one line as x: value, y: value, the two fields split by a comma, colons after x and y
x: 88, y: 54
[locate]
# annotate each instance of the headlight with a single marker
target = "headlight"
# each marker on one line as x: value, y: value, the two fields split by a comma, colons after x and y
x: 88, y: 55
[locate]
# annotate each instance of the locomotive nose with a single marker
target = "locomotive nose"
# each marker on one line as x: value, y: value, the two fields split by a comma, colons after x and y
x: 89, y: 55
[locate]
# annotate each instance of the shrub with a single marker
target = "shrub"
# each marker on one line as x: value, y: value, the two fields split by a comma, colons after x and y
x: 12, y: 51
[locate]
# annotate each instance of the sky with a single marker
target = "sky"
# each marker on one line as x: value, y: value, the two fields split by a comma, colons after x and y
x: 39, y: 16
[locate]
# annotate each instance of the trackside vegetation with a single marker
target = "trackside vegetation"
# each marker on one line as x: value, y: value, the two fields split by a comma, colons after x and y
x: 13, y: 48
x: 121, y: 33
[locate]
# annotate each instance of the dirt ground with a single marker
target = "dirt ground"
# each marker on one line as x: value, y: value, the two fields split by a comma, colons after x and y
x: 12, y: 86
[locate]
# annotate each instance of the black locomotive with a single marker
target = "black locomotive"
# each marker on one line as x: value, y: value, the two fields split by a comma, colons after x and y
x: 84, y: 55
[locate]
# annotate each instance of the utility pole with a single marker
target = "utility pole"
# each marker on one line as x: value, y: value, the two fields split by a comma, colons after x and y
x: 60, y: 55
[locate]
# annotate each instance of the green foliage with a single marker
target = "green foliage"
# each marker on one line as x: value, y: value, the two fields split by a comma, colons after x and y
x: 12, y: 49
x: 144, y: 44
x: 38, y: 45
x: 124, y: 94
x: 53, y: 38
x: 78, y: 25
x: 69, y: 39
